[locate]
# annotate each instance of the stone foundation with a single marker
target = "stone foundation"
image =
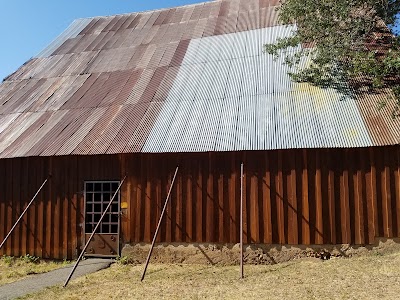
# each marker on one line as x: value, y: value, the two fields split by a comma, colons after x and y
x: 228, y: 254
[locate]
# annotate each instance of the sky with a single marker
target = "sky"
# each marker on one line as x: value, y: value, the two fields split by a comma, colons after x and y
x: 28, y: 26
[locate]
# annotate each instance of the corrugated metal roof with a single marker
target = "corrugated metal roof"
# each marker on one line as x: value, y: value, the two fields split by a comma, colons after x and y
x: 71, y: 32
x: 186, y: 79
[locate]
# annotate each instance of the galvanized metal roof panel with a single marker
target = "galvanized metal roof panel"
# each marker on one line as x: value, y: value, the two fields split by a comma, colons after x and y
x: 292, y: 113
x: 227, y: 126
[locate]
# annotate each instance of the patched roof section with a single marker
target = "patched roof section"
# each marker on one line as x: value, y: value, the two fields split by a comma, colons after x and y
x: 185, y: 79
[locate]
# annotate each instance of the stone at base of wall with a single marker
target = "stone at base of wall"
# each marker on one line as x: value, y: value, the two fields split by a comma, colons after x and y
x: 228, y: 254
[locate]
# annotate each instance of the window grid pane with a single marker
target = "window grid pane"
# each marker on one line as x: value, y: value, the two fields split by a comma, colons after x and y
x: 97, y: 197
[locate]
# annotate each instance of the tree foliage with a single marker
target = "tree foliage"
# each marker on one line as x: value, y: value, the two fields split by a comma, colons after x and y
x: 346, y: 40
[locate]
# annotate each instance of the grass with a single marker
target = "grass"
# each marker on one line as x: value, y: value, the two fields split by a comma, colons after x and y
x: 16, y: 268
x: 368, y: 277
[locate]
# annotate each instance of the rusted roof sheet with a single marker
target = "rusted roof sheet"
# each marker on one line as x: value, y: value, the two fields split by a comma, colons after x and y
x: 185, y: 79
x: 71, y: 32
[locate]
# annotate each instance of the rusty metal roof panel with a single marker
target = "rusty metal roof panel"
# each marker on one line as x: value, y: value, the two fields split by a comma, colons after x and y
x: 52, y: 86
x: 89, y: 26
x: 58, y: 131
x: 19, y: 126
x: 19, y: 145
x: 77, y: 137
x: 97, y: 130
x: 20, y: 73
x: 14, y: 100
x: 5, y: 88
x: 117, y: 82
x: 65, y: 92
x: 152, y: 20
x: 29, y: 72
x: 70, y: 128
x: 215, y: 8
x: 145, y: 17
x: 59, y: 68
x: 118, y: 136
x: 111, y: 24
x: 187, y: 14
x: 119, y: 23
x: 72, y: 101
x: 8, y: 88
x: 379, y: 121
x: 37, y: 133
x: 105, y: 138
x: 166, y: 84
x: 146, y: 123
x: 154, y: 84
x: 68, y: 45
x: 128, y: 21
x: 35, y: 97
x: 140, y: 86
x: 133, y: 77
x: 99, y: 26
x: 5, y: 121
x: 71, y: 32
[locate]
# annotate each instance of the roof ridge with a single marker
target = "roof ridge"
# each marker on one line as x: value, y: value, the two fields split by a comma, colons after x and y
x: 150, y: 10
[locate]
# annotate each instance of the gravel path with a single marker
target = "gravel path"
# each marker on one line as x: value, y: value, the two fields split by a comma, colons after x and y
x: 57, y: 277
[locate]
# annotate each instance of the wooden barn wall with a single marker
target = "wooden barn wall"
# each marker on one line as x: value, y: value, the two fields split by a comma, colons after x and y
x: 314, y: 196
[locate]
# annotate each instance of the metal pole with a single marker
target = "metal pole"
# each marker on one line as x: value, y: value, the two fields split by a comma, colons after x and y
x: 23, y: 213
x: 94, y: 231
x: 158, y: 226
x: 241, y: 222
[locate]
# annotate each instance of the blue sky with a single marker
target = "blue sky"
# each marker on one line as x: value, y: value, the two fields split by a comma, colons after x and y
x: 28, y: 26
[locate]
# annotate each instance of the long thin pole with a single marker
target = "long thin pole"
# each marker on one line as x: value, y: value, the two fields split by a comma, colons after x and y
x: 23, y: 213
x: 241, y: 222
x: 159, y: 223
x: 94, y: 231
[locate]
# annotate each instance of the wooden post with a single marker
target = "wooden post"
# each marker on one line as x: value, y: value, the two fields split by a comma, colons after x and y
x: 159, y: 223
x: 241, y: 222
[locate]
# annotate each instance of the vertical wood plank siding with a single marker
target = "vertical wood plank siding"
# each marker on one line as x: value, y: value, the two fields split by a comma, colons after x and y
x: 314, y: 196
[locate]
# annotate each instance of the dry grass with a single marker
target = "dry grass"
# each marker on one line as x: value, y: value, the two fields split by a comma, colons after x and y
x: 369, y: 277
x: 13, y: 269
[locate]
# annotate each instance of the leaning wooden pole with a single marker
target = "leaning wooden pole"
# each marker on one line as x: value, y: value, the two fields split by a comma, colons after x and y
x: 23, y: 213
x: 159, y: 224
x: 94, y: 231
x: 241, y: 222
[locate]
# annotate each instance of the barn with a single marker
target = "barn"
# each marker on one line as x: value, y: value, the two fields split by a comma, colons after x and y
x: 117, y: 104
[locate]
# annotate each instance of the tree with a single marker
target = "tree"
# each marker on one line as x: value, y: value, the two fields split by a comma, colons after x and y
x: 347, y: 41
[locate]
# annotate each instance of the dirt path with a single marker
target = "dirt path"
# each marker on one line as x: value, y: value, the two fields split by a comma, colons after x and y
x: 57, y: 277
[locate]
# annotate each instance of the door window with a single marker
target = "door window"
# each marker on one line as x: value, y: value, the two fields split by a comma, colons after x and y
x: 97, y: 196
